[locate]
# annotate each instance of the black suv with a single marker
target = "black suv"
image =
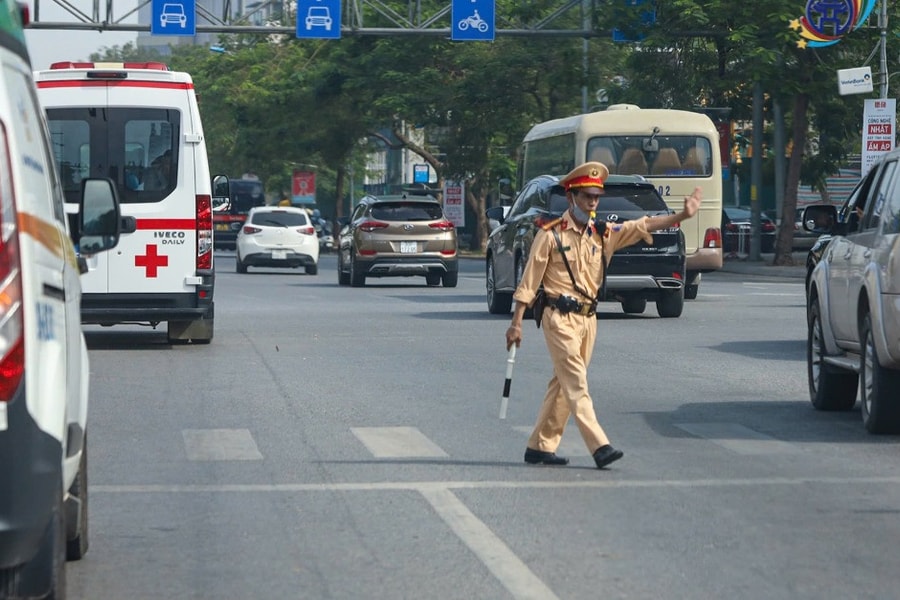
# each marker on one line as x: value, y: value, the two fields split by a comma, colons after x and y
x: 636, y: 274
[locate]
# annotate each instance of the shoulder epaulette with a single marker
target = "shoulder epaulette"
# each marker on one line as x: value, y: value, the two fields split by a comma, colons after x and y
x: 553, y: 223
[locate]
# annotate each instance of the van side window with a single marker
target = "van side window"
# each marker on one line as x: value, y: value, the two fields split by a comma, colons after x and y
x: 135, y: 147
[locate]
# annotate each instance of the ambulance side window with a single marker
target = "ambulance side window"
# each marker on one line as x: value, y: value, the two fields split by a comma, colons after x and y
x: 70, y: 139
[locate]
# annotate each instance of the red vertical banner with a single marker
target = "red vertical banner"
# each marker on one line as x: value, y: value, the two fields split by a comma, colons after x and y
x: 303, y: 187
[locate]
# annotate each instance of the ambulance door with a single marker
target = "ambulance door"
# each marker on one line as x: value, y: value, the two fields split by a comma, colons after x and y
x: 78, y: 137
x: 145, y: 160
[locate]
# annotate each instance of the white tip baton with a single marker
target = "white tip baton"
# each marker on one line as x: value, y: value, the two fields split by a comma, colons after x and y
x: 504, y: 400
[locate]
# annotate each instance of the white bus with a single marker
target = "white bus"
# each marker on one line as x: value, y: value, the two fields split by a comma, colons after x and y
x: 677, y: 150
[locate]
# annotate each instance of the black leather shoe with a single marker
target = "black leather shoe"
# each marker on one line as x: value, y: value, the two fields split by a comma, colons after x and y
x: 539, y: 457
x: 605, y: 455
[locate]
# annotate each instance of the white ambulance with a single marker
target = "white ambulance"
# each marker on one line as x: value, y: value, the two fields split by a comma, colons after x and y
x: 44, y: 367
x: 139, y: 125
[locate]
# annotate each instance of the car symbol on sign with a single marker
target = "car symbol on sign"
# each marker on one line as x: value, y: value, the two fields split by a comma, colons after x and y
x: 318, y: 16
x: 173, y: 13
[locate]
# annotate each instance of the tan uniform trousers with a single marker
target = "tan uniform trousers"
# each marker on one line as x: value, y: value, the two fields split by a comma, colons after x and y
x: 570, y: 340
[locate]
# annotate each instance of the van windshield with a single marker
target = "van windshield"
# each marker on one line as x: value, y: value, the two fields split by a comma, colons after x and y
x: 135, y: 147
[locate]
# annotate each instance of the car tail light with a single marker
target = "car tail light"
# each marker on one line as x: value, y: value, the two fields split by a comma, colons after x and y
x: 12, y: 321
x: 768, y: 226
x: 250, y: 229
x: 369, y: 226
x: 204, y: 232
x: 731, y: 227
x: 448, y: 252
x: 444, y: 225
x: 712, y: 238
x: 308, y: 230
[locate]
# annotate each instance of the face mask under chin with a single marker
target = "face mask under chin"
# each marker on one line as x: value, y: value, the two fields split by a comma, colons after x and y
x: 580, y: 215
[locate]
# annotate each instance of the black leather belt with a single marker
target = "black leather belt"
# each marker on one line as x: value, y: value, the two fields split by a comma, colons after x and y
x: 567, y: 304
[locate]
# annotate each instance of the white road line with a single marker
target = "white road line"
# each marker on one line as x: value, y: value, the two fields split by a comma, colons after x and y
x: 483, y: 485
x: 738, y: 438
x: 220, y: 444
x: 397, y: 442
x: 512, y: 573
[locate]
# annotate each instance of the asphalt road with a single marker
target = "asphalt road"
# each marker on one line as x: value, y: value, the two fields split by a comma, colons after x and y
x: 336, y: 442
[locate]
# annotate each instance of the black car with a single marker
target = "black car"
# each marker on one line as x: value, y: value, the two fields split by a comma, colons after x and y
x: 736, y: 231
x: 636, y: 274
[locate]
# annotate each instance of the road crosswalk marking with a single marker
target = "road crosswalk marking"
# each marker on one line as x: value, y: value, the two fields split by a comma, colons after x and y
x: 737, y: 438
x: 397, y: 442
x: 220, y: 444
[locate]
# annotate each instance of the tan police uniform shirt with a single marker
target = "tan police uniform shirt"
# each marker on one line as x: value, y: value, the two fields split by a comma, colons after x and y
x: 585, y: 255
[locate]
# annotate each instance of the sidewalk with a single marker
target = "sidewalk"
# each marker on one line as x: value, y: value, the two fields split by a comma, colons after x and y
x: 764, y: 266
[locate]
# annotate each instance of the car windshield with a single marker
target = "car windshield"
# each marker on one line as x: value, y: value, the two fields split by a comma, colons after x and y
x: 279, y: 218
x: 407, y: 211
x: 742, y: 214
x: 621, y: 199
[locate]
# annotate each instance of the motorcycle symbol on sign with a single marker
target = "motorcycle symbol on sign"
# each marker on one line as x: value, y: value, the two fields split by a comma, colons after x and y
x: 474, y: 21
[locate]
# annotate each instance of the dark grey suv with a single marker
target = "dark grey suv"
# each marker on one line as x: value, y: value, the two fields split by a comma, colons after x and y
x: 636, y: 274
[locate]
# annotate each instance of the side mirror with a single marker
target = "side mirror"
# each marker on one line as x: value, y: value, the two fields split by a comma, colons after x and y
x: 819, y: 218
x: 496, y: 213
x: 99, y: 220
x: 221, y: 190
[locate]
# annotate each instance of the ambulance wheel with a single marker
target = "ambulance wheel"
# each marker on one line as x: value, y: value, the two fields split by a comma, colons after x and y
x: 312, y: 269
x: 634, y: 306
x: 44, y: 576
x: 77, y: 510
x: 240, y: 267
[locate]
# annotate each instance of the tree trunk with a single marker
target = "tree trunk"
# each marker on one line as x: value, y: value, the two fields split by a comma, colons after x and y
x: 476, y: 199
x: 784, y: 242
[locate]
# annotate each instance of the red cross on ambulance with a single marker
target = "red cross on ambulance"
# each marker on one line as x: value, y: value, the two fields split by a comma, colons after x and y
x: 151, y: 261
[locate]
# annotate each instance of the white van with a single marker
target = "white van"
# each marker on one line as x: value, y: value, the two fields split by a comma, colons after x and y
x: 43, y: 356
x: 139, y: 125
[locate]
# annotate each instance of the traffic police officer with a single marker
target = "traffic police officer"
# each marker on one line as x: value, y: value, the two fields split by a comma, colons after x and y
x: 569, y: 320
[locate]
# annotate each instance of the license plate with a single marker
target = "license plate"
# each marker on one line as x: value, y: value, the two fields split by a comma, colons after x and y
x: 408, y: 247
x: 279, y: 254
x: 221, y: 226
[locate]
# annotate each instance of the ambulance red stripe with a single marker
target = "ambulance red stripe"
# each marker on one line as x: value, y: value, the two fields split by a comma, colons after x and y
x: 166, y: 223
x: 118, y: 83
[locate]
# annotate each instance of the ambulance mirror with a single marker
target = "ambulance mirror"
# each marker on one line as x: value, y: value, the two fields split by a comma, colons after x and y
x: 99, y: 220
x: 221, y: 187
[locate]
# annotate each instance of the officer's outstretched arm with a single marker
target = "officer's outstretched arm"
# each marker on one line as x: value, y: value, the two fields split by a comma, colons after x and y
x: 691, y: 206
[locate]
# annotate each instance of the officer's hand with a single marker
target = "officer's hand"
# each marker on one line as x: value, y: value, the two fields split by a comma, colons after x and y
x: 692, y: 203
x: 513, y: 336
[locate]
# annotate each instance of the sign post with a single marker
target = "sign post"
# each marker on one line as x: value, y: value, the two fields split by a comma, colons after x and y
x: 173, y: 17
